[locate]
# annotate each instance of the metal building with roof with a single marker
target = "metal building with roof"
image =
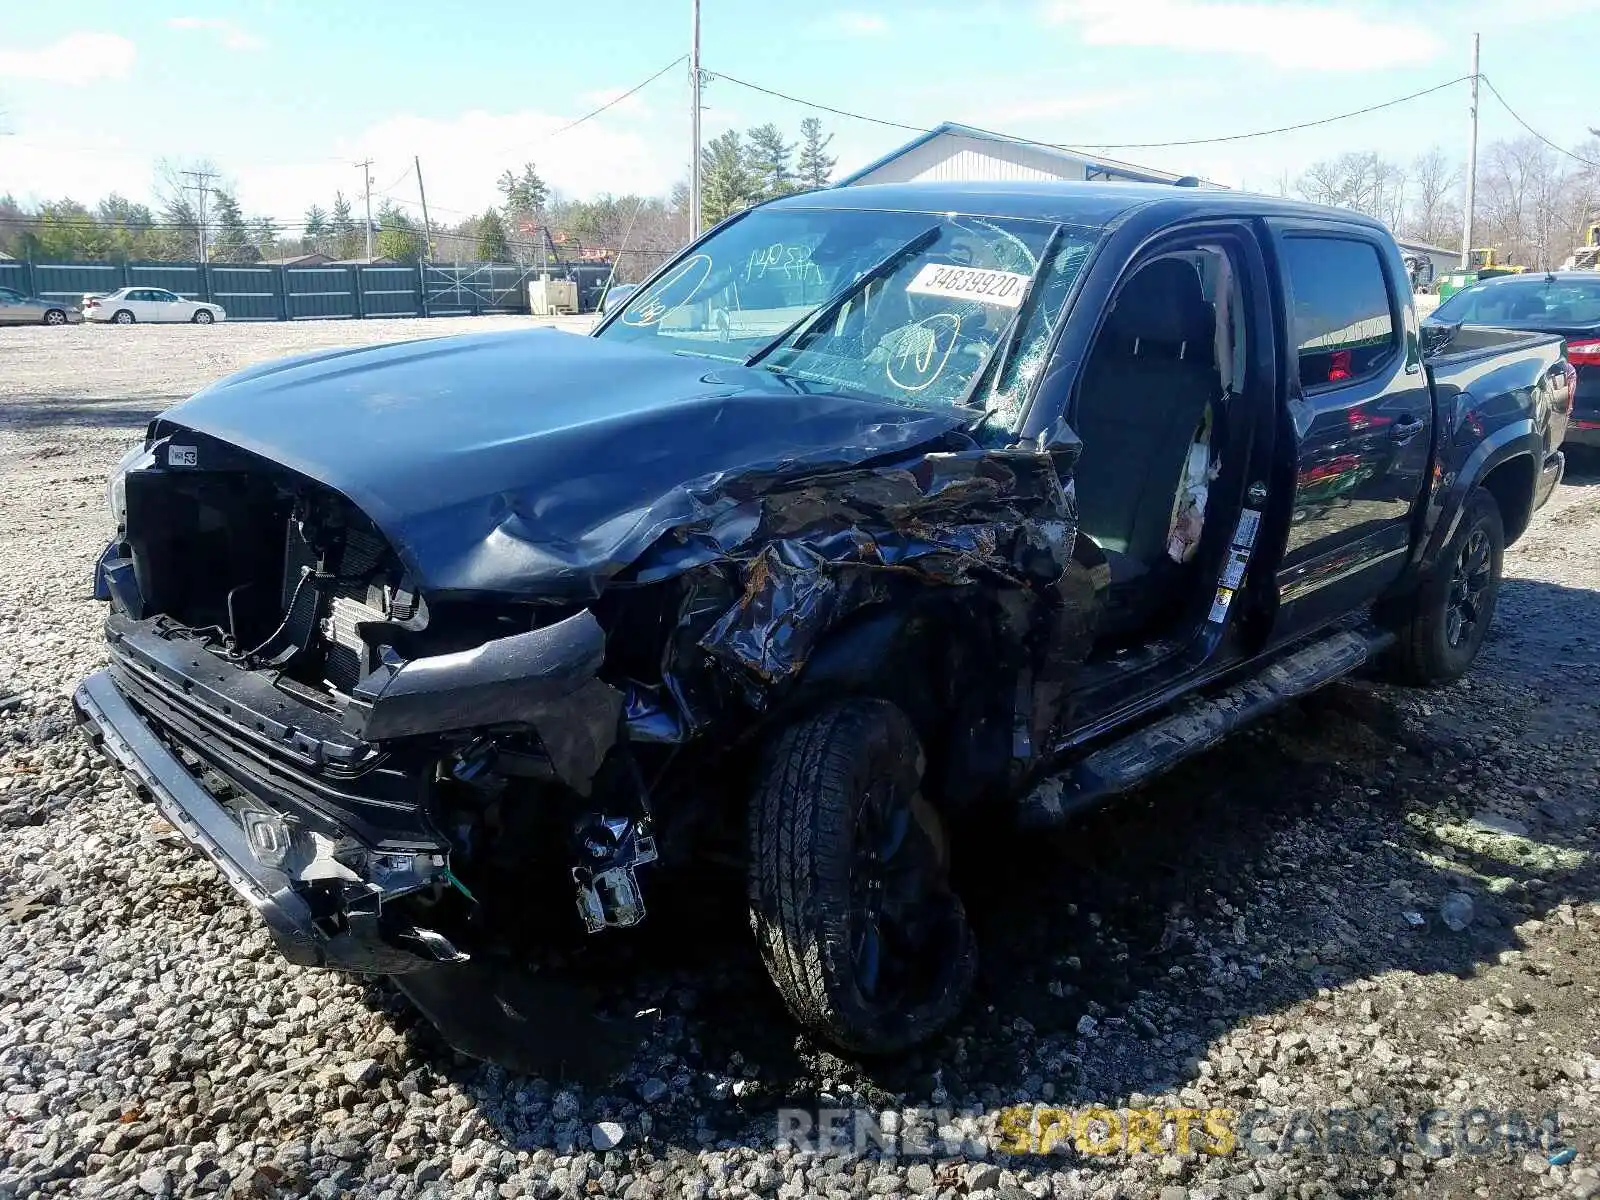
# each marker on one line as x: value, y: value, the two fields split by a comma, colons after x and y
x: 960, y: 153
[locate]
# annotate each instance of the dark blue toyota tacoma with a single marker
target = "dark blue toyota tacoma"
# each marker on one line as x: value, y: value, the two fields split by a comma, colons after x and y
x: 877, y: 510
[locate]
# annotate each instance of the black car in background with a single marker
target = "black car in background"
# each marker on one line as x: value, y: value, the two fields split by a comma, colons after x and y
x: 1564, y: 302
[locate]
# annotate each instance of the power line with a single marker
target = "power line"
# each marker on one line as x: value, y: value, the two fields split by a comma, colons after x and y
x: 1239, y: 137
x: 1206, y: 141
x: 595, y: 112
x: 638, y: 87
x: 399, y: 179
x: 838, y: 112
x: 1488, y: 83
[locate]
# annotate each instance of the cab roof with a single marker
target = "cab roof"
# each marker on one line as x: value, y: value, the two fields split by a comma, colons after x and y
x: 1070, y: 201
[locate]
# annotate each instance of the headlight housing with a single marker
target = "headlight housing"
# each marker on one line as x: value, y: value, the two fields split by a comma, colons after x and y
x: 136, y: 459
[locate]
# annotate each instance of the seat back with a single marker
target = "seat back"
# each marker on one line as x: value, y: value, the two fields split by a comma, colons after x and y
x: 1145, y: 388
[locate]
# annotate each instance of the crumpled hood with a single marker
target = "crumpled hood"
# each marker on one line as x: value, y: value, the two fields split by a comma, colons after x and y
x: 537, y: 460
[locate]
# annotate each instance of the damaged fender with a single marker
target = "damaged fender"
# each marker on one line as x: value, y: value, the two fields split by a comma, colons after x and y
x: 544, y: 678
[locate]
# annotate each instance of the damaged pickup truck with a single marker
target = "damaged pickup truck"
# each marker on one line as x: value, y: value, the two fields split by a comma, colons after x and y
x: 877, y: 510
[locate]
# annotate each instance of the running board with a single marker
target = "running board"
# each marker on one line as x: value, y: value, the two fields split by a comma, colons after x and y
x: 1197, y: 725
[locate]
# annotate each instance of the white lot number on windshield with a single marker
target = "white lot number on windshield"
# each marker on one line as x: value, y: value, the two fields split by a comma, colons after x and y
x: 1003, y: 288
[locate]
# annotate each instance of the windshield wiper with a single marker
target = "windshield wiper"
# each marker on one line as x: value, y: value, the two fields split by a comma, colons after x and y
x: 831, y: 306
x: 1006, y: 347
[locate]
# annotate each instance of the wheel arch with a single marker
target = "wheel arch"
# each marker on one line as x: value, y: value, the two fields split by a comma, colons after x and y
x: 1517, y: 440
x: 1512, y: 482
x: 945, y: 662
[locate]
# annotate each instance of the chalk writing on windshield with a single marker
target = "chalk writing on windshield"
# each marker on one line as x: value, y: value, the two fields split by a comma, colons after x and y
x: 790, y: 260
x: 673, y: 292
x: 923, y: 349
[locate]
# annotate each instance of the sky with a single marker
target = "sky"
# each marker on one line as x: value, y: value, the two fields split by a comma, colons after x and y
x: 285, y: 96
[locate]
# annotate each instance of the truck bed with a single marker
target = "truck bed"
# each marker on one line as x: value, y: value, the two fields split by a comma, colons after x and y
x: 1472, y: 344
x: 1509, y: 363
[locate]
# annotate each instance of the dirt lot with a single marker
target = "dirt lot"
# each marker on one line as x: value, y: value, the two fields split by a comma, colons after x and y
x: 1382, y: 900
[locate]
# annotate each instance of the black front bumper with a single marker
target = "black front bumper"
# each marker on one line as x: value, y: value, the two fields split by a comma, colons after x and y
x: 490, y: 1010
x: 120, y: 733
x: 358, y: 939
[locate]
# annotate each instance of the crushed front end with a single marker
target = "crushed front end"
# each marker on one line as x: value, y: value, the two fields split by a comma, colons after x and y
x: 381, y: 782
x: 439, y: 742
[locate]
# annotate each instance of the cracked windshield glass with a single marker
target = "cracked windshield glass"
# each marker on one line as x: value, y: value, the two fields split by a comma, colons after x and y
x: 916, y: 308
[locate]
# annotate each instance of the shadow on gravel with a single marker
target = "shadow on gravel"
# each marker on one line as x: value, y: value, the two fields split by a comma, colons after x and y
x: 1583, y: 466
x: 36, y: 412
x: 1329, y: 844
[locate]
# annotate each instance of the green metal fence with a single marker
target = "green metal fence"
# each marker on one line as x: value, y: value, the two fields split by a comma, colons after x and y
x: 263, y: 292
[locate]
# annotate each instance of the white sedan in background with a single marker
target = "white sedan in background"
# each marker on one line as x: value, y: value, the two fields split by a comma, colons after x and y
x: 130, y: 304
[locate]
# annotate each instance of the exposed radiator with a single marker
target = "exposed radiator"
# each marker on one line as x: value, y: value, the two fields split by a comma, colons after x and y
x: 328, y: 617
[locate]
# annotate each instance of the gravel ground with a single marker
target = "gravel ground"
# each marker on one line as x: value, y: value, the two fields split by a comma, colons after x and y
x: 1381, y: 899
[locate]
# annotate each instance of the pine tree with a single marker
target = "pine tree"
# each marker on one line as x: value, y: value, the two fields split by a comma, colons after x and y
x: 264, y: 230
x: 181, y: 236
x: 315, y: 226
x: 726, y: 181
x: 525, y: 194
x: 493, y: 246
x: 399, y: 237
x: 347, y: 240
x: 768, y: 159
x: 815, y: 166
x: 232, y: 242
x: 128, y: 228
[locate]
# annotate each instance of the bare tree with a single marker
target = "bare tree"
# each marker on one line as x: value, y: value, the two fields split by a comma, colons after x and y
x: 1583, y: 194
x: 1514, y: 191
x: 1361, y: 180
x: 1389, y: 192
x: 1323, y: 182
x: 1434, y: 215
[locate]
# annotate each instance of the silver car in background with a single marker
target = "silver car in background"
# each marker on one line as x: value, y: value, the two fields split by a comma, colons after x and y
x: 17, y: 309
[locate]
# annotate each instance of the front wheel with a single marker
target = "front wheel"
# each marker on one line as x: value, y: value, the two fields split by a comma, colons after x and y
x: 1449, y: 615
x: 54, y: 316
x: 203, y: 317
x: 850, y: 899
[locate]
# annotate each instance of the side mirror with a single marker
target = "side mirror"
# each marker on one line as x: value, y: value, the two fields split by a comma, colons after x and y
x: 616, y: 297
x: 1436, y: 336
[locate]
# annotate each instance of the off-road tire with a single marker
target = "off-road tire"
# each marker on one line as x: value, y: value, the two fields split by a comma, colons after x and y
x: 804, y: 824
x: 1425, y: 652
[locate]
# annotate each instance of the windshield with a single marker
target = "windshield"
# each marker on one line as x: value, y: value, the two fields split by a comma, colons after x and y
x: 916, y: 308
x: 1535, y: 302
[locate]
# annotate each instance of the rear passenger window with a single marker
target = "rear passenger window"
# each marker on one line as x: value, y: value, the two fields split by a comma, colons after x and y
x: 1342, y: 322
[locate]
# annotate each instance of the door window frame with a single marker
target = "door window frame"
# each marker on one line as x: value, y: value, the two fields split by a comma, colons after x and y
x: 1242, y: 242
x: 1400, y: 336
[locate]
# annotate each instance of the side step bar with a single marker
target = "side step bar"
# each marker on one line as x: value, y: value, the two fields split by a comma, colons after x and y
x: 1197, y: 725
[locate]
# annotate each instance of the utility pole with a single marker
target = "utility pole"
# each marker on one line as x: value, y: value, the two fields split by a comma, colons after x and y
x: 427, y: 239
x: 201, y: 184
x: 1472, y: 165
x: 366, y: 184
x: 427, y: 229
x: 694, y: 126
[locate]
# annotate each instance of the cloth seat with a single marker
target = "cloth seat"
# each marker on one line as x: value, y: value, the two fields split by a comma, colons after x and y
x: 1146, y: 386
